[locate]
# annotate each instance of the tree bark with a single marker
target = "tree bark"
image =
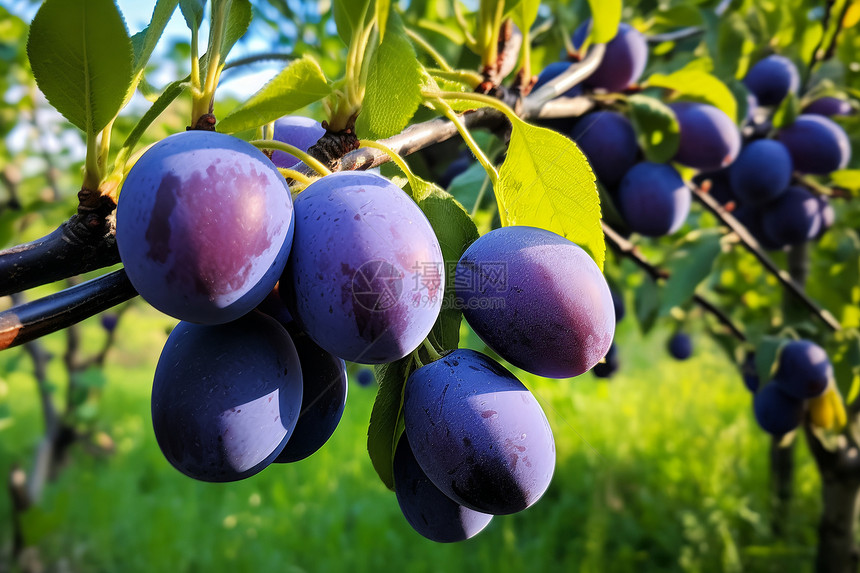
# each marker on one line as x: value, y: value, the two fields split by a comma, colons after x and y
x: 781, y: 483
x: 837, y: 552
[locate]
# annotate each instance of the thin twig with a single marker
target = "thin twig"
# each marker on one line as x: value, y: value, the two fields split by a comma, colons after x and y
x: 753, y: 246
x: 31, y: 320
x: 629, y: 250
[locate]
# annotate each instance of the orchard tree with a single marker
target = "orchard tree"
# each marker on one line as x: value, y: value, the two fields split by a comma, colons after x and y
x: 715, y: 138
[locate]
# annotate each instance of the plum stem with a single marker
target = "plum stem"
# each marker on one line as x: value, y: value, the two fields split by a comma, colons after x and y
x: 431, y: 351
x: 92, y: 174
x: 104, y: 147
x: 472, y: 79
x: 295, y: 175
x: 204, y: 99
x: 419, y: 41
x: 470, y: 40
x: 195, y: 61
x: 305, y: 157
x: 401, y: 163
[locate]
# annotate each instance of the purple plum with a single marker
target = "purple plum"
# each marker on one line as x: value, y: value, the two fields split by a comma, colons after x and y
x: 478, y: 433
x: 204, y: 226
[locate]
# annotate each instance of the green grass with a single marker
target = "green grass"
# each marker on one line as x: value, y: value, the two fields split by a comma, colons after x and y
x: 661, y: 469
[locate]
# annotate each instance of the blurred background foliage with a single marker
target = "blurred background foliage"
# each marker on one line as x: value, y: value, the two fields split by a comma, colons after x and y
x: 661, y: 469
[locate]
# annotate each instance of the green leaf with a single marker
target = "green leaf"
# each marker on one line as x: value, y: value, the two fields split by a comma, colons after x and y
x: 733, y: 45
x: 383, y: 7
x: 384, y: 428
x: 678, y: 17
x: 237, y: 22
x: 192, y: 11
x: 844, y: 354
x: 698, y: 85
x: 525, y: 13
x: 170, y: 93
x: 847, y: 178
x: 546, y: 182
x: 466, y: 186
x: 92, y: 377
x: 740, y: 92
x: 82, y: 60
x: 393, y: 90
x: 349, y: 16
x: 787, y: 111
x: 299, y: 84
x: 647, y: 302
x: 144, y: 41
x: 656, y: 127
x: 606, y: 15
x: 456, y: 231
x: 689, y: 264
x: 8, y: 218
x: 766, y: 354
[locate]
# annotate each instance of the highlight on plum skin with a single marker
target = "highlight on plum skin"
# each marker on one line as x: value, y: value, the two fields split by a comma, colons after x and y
x: 653, y: 199
x: 366, y: 273
x: 828, y: 106
x: 771, y: 79
x: 817, y: 145
x: 226, y: 398
x: 429, y: 511
x: 204, y: 226
x: 537, y: 299
x: 298, y: 131
x: 804, y: 369
x: 793, y: 218
x: 478, y: 433
x: 709, y: 139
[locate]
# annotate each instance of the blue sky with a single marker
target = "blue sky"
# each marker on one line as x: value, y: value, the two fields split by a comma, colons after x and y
x: 137, y: 14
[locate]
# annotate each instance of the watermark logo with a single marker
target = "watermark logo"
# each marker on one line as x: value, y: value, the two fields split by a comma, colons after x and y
x: 377, y: 285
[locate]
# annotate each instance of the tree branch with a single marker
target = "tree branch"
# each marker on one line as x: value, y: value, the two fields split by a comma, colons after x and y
x: 629, y: 250
x: 72, y: 249
x: 28, y: 321
x: 753, y: 246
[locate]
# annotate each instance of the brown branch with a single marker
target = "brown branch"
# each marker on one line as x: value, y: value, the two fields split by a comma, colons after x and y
x: 72, y: 249
x: 629, y: 250
x: 753, y: 246
x: 26, y: 322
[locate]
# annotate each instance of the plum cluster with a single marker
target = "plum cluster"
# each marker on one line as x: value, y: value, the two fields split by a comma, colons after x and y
x: 476, y: 441
x: 761, y: 185
x: 272, y: 295
x: 758, y: 178
x: 803, y: 372
x: 275, y: 294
